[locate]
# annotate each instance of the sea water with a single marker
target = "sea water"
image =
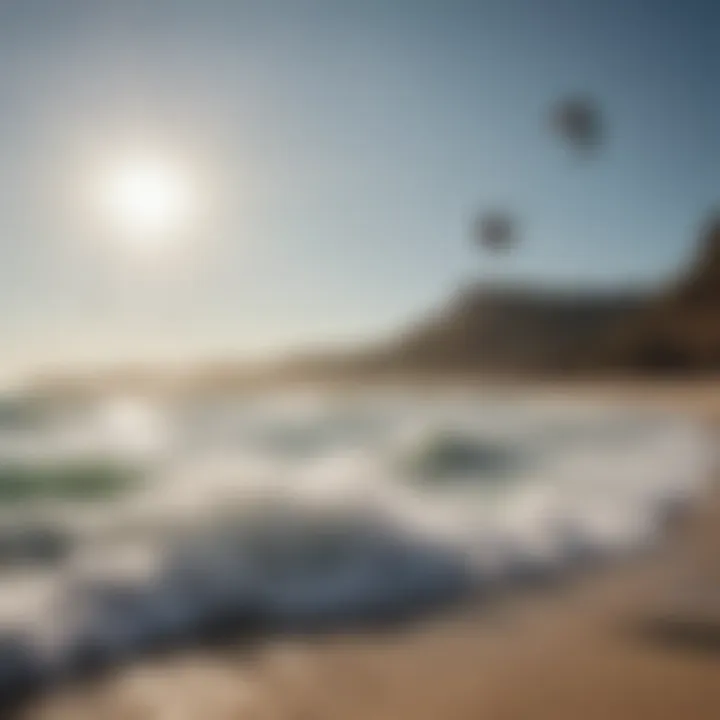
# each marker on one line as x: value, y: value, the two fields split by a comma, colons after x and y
x: 128, y: 524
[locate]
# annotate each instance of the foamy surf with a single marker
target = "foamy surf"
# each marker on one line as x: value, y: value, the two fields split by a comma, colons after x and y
x: 128, y: 526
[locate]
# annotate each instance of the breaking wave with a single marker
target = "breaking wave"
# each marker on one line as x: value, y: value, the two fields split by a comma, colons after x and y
x: 127, y: 526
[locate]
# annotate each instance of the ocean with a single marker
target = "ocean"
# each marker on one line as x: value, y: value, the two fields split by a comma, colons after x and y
x: 130, y: 525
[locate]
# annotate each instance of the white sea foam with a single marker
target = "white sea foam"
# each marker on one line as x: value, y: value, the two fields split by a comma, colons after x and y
x: 305, y: 507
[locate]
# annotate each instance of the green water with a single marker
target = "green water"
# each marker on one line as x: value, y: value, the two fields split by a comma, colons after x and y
x: 87, y: 480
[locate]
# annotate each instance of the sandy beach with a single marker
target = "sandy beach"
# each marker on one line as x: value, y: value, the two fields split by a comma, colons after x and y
x: 582, y: 649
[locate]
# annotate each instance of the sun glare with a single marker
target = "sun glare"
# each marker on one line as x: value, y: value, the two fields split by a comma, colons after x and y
x: 148, y: 202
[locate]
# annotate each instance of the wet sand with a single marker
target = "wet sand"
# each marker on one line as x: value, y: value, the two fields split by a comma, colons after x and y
x: 581, y: 649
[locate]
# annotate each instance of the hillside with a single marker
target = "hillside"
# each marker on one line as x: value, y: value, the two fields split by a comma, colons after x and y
x: 680, y: 328
x: 520, y: 330
x: 511, y: 330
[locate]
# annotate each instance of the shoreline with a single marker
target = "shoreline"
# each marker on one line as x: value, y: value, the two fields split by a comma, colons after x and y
x: 577, y: 650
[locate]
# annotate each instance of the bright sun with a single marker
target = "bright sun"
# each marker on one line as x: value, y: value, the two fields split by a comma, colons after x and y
x: 147, y: 201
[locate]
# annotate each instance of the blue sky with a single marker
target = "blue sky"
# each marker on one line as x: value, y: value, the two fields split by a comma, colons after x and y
x: 345, y: 147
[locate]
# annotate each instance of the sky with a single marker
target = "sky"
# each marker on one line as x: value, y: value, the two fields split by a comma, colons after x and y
x: 338, y: 151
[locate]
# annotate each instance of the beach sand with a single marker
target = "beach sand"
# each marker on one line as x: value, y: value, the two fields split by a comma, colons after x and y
x: 583, y: 649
